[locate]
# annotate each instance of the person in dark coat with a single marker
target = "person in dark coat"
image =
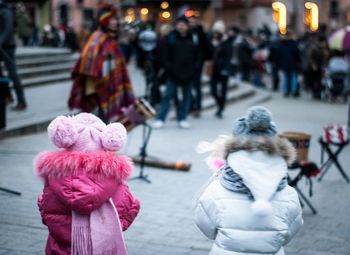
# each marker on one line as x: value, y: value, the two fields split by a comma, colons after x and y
x: 181, y: 60
x: 315, y: 62
x: 7, y: 52
x: 273, y: 59
x: 201, y: 41
x: 289, y: 63
x: 222, y: 54
x: 245, y: 56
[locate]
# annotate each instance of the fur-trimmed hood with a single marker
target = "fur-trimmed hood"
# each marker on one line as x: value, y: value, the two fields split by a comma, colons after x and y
x: 270, y: 145
x: 55, y: 164
x: 226, y: 144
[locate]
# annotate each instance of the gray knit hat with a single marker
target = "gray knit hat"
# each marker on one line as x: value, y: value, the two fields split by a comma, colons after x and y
x: 257, y: 122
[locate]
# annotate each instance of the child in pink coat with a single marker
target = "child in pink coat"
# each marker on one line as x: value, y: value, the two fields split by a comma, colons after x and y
x: 86, y: 203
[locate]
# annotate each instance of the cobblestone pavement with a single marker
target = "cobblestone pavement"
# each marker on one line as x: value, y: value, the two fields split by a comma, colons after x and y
x: 164, y: 225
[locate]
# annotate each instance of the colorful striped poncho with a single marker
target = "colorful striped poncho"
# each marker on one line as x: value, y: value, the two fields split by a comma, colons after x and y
x: 100, y: 78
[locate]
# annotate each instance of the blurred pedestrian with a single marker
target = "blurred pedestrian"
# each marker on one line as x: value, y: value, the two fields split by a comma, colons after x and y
x: 315, y: 60
x: 181, y: 59
x: 83, y: 35
x: 86, y: 203
x: 260, y: 56
x: 289, y: 63
x: 201, y: 41
x: 7, y: 52
x: 248, y: 197
x: 221, y: 56
x: 71, y: 38
x: 273, y: 59
x: 244, y: 51
x: 24, y: 24
x: 101, y: 82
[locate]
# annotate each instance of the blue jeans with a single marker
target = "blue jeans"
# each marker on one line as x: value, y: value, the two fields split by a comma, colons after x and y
x: 170, y: 94
x: 290, y: 82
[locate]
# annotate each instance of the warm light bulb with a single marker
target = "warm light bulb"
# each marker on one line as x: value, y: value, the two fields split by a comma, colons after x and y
x: 314, y: 15
x: 144, y: 11
x: 166, y: 15
x: 164, y: 5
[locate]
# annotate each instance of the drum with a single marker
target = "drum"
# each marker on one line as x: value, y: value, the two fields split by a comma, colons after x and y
x: 136, y: 114
x: 300, y: 141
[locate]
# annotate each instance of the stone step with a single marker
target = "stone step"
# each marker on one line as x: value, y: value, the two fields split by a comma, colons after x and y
x: 235, y: 93
x: 44, y: 61
x: 36, y: 118
x: 46, y: 79
x: 36, y: 52
x: 41, y: 71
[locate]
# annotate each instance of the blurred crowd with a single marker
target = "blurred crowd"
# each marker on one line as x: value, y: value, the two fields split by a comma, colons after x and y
x: 288, y: 62
x: 185, y: 52
x: 268, y: 60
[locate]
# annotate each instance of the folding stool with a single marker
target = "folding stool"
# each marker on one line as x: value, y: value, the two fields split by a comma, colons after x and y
x: 332, y: 157
x: 307, y: 169
x: 334, y: 136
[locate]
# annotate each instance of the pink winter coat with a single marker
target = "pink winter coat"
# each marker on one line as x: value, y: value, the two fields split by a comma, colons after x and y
x: 81, y: 181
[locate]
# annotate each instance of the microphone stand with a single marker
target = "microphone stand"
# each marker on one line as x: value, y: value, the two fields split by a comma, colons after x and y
x: 146, y: 128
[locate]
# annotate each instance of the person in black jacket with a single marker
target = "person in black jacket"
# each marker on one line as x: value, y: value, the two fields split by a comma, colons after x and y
x: 7, y: 52
x: 289, y: 63
x: 181, y: 60
x: 201, y: 41
x: 222, y: 54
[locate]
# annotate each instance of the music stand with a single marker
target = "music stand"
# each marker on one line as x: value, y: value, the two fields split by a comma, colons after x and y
x: 146, y: 133
x: 147, y: 41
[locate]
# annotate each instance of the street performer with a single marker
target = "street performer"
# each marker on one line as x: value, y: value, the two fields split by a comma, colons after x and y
x: 101, y: 82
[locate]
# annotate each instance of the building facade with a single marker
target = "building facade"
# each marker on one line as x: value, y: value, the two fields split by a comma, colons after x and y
x: 246, y: 14
x: 39, y: 11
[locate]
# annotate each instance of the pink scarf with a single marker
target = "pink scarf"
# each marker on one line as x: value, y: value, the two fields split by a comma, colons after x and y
x: 99, y: 233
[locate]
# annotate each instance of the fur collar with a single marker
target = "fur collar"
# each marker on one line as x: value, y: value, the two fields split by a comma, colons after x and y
x: 226, y: 145
x: 55, y: 164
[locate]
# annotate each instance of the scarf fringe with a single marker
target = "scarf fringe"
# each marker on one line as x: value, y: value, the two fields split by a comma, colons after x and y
x: 82, y: 244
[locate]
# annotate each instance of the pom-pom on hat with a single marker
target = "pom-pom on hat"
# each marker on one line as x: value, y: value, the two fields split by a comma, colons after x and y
x: 87, y: 133
x: 105, y: 12
x: 257, y: 122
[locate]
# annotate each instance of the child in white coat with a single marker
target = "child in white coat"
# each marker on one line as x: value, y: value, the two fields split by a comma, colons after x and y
x: 248, y: 207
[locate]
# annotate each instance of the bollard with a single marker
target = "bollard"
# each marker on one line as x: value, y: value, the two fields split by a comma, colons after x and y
x: 4, y: 83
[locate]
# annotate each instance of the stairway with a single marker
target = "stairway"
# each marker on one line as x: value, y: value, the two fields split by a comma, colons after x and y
x: 44, y: 66
x: 45, y: 74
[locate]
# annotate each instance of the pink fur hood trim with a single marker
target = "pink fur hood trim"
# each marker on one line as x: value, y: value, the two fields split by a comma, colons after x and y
x: 56, y: 164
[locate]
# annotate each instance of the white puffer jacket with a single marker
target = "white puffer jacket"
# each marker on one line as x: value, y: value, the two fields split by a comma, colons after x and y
x: 227, y: 217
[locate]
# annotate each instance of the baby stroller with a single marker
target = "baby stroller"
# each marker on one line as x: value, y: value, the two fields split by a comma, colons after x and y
x: 333, y: 84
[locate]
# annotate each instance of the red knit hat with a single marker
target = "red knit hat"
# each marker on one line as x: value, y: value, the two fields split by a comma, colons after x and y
x: 105, y: 12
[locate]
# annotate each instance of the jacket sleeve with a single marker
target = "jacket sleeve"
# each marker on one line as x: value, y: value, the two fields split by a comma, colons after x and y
x: 40, y: 205
x: 203, y: 219
x: 6, y: 20
x: 83, y: 193
x: 127, y: 205
x: 294, y: 217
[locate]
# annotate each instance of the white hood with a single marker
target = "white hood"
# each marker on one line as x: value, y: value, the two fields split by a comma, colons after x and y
x: 260, y: 172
